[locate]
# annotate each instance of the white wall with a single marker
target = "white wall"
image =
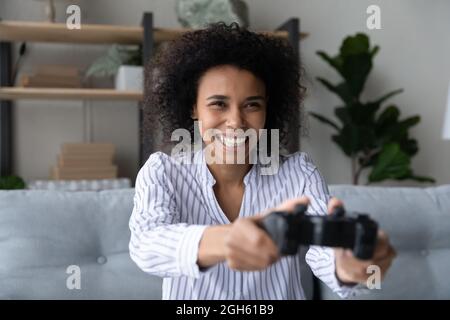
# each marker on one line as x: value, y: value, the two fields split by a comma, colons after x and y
x: 414, y: 55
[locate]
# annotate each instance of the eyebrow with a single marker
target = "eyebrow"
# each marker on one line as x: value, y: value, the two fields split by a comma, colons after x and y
x: 222, y: 97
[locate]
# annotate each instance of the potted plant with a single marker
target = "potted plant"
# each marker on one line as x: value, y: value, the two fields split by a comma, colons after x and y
x: 374, y: 139
x: 122, y: 63
x: 11, y: 182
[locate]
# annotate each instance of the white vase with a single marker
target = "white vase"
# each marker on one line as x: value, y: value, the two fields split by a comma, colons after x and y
x: 129, y: 78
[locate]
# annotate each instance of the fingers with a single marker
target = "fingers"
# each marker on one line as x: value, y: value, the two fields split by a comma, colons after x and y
x: 289, y: 205
x: 333, y: 204
x: 351, y: 269
x: 390, y: 254
x: 382, y: 247
x: 256, y: 237
x: 240, y: 259
x: 385, y: 262
x: 247, y: 247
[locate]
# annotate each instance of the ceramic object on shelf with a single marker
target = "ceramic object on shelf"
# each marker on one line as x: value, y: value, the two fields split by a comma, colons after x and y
x: 199, y: 13
x: 129, y: 78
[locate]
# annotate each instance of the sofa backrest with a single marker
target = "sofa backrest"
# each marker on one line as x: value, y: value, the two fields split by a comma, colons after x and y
x: 47, y: 238
x: 417, y: 221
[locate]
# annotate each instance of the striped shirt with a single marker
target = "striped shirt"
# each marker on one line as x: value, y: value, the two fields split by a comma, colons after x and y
x: 173, y: 204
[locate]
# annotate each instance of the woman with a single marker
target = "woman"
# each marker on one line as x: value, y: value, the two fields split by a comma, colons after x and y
x: 195, y: 222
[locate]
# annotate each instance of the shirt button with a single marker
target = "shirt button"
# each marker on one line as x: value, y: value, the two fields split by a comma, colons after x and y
x: 101, y: 260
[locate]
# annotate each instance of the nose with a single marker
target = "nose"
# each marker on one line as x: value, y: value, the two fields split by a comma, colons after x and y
x: 235, y: 118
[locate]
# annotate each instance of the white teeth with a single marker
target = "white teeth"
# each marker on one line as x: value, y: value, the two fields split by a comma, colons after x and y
x: 231, y: 142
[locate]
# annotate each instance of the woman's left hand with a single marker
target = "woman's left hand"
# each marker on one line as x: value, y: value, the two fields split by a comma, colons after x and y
x: 352, y: 270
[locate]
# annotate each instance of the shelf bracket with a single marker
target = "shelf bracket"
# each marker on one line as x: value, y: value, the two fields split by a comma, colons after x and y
x: 148, y: 41
x: 292, y: 26
x: 145, y: 143
x: 5, y: 111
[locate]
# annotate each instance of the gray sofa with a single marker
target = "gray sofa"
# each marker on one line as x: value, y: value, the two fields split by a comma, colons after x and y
x: 44, y: 233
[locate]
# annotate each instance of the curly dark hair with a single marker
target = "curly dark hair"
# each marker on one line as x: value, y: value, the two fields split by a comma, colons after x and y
x: 171, y: 76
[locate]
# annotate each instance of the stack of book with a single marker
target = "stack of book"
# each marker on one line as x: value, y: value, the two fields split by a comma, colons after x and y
x: 85, y: 161
x: 52, y: 76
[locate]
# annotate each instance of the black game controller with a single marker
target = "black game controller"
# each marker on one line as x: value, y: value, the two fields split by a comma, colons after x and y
x: 290, y: 230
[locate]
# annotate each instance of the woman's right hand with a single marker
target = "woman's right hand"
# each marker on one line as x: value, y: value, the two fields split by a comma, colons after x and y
x: 248, y: 247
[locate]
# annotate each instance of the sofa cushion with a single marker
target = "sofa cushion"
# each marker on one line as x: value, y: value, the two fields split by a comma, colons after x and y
x: 417, y: 221
x: 42, y: 233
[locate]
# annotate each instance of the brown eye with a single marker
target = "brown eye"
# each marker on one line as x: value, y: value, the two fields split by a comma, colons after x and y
x: 219, y: 104
x: 253, y: 105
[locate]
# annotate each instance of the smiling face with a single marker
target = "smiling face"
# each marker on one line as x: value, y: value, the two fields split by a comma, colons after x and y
x: 230, y: 101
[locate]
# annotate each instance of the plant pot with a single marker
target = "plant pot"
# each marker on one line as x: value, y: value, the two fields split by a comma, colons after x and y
x: 129, y: 78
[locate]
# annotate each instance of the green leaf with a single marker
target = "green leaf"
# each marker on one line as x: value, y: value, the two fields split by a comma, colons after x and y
x: 353, y: 139
x: 336, y: 62
x: 343, y: 114
x: 107, y: 65
x: 363, y: 113
x: 343, y: 143
x: 358, y: 114
x: 392, y: 163
x: 409, y: 122
x: 354, y: 45
x: 341, y: 90
x: 398, y: 131
x: 374, y: 51
x: 11, y: 182
x: 388, y: 117
x: 422, y: 179
x: 409, y: 146
x: 134, y: 57
x: 355, y: 70
x: 386, y: 125
x: 387, y: 96
x: 324, y: 120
